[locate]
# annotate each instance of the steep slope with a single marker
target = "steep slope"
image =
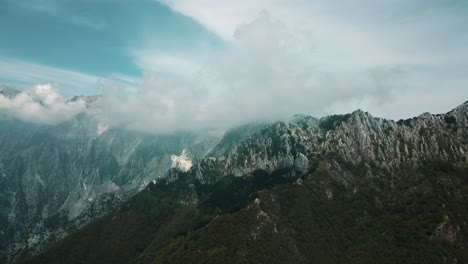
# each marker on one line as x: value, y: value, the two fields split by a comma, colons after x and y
x: 234, y: 137
x: 341, y: 189
x: 354, y: 137
x: 418, y: 220
x: 55, y: 179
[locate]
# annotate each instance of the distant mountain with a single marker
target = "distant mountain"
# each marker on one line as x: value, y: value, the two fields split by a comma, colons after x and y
x: 8, y: 92
x: 341, y: 189
x: 56, y: 179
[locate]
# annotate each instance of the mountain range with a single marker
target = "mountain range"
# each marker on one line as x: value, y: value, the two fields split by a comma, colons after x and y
x: 347, y: 188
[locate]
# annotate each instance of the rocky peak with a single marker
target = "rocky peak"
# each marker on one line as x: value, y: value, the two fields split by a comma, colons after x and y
x: 359, y: 112
x: 92, y: 101
x: 458, y: 115
x: 234, y: 137
x: 8, y: 92
x: 356, y: 137
x: 304, y: 120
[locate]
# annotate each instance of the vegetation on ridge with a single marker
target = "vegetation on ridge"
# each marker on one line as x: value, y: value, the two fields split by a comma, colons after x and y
x: 411, y: 216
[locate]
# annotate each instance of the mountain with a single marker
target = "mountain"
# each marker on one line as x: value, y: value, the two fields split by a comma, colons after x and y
x: 341, y: 189
x: 8, y: 92
x: 55, y: 179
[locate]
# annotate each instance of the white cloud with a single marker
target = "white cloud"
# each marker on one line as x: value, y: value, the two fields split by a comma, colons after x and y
x: 418, y: 46
x: 43, y: 104
x: 267, y: 75
x: 222, y: 17
x: 171, y: 64
x: 313, y: 58
x: 359, y: 33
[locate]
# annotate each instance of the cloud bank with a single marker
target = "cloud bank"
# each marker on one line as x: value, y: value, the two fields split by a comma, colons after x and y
x: 43, y: 104
x: 268, y: 74
x: 269, y: 71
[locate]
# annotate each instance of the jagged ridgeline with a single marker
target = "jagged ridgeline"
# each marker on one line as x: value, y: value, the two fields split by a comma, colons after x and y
x: 342, y: 189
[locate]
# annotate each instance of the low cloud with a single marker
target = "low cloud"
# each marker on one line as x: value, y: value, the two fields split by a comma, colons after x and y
x: 43, y: 104
x: 268, y: 74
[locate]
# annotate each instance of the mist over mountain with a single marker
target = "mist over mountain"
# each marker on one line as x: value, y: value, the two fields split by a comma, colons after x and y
x: 57, y: 179
x: 247, y: 131
x: 76, y: 170
x: 270, y: 74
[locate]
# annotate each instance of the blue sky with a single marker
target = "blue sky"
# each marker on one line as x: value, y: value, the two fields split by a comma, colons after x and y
x: 211, y: 61
x: 96, y: 38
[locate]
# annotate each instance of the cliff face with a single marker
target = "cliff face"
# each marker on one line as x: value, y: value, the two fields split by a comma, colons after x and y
x: 356, y: 138
x: 55, y: 179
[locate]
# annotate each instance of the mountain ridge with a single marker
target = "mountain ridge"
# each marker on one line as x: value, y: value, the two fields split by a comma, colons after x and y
x: 329, y: 161
x: 123, y: 162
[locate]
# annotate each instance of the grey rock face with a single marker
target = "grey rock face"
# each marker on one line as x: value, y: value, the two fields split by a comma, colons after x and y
x: 358, y: 138
x: 54, y: 179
